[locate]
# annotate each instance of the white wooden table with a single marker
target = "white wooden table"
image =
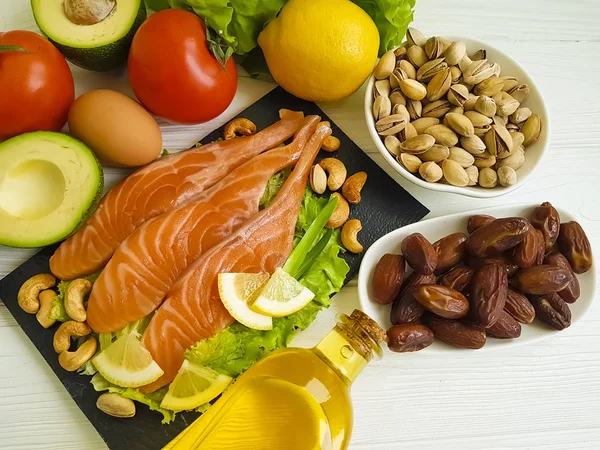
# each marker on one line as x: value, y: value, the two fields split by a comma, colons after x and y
x: 541, y: 396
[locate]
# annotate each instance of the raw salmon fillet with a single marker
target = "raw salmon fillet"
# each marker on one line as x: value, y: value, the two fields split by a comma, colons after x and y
x: 159, y: 187
x: 193, y: 309
x: 147, y: 263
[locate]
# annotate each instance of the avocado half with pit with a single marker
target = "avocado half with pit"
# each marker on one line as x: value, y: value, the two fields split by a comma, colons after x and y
x: 49, y: 184
x: 93, y: 34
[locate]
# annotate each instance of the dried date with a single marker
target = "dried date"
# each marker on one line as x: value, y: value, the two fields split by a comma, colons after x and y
x: 458, y: 278
x: 387, y: 278
x: 450, y: 251
x: 570, y: 293
x: 488, y: 294
x: 405, y: 308
x: 526, y: 253
x: 442, y: 301
x: 518, y: 306
x: 478, y: 221
x: 552, y: 310
x: 546, y: 219
x: 497, y: 237
x: 456, y: 333
x: 541, y: 280
x: 419, y: 253
x: 574, y: 244
x: 539, y: 238
x: 409, y: 337
x: 506, y: 327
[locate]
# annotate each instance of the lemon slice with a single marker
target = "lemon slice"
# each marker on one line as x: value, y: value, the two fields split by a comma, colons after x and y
x: 282, y: 296
x: 236, y: 291
x: 127, y: 363
x: 194, y: 386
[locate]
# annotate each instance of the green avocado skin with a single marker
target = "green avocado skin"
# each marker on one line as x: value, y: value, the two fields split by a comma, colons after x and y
x: 104, y: 58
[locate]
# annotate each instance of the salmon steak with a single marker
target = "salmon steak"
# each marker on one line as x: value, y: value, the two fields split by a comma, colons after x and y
x: 159, y: 187
x: 145, y: 266
x: 193, y: 310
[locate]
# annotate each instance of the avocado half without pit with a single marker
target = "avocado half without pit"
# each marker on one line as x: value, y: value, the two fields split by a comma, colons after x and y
x: 49, y: 184
x: 93, y: 34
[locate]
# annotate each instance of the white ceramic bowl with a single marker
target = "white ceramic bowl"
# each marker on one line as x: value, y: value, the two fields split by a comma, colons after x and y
x: 434, y: 229
x: 534, y: 153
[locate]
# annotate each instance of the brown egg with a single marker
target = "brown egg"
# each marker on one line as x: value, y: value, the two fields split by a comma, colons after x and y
x: 117, y: 128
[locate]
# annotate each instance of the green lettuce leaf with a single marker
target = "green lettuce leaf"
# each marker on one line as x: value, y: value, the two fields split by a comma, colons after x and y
x: 157, y: 5
x: 238, y: 22
x: 392, y: 18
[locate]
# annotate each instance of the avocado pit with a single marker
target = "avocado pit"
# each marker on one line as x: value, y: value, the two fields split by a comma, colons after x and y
x: 88, y: 12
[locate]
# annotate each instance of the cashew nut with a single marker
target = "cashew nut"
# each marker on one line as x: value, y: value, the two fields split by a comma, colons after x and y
x: 78, y: 289
x: 239, y: 126
x: 29, y: 292
x: 340, y: 213
x: 62, y: 337
x: 330, y: 144
x: 336, y: 171
x: 318, y: 179
x: 348, y: 236
x: 71, y: 361
x: 46, y: 302
x: 352, y: 187
x: 115, y: 405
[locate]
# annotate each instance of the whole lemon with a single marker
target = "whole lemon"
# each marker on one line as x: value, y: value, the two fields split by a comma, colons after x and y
x: 320, y: 50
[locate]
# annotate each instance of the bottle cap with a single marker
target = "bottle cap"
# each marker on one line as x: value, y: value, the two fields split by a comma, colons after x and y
x: 369, y: 325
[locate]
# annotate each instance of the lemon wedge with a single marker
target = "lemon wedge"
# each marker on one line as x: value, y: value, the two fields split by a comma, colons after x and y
x: 237, y: 290
x: 282, y: 296
x: 194, y: 386
x: 127, y: 363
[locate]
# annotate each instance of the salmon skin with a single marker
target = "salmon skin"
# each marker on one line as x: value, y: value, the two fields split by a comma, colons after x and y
x: 193, y: 309
x: 159, y: 187
x: 145, y: 266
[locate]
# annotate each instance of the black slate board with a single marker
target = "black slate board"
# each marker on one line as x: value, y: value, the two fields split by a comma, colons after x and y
x: 385, y: 206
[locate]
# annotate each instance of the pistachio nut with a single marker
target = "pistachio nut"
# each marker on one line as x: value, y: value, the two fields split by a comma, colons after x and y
x: 437, y: 153
x: 115, y: 405
x: 507, y: 176
x: 408, y: 132
x: 381, y: 87
x: 416, y: 55
x: 385, y: 66
x: 531, y: 129
x: 478, y: 71
x: 479, y: 55
x: 489, y: 87
x: 485, y: 105
x: 456, y: 74
x: 408, y: 69
x: 499, y: 120
x: 410, y: 162
x: 458, y: 94
x: 520, y: 115
x: 402, y: 112
x: 472, y: 144
x: 520, y: 92
x: 473, y: 173
x: 318, y: 179
x: 509, y: 83
x: 469, y: 104
x: 439, y: 85
x: 498, y: 141
x: 424, y: 123
x: 488, y: 178
x: 437, y: 109
x: 512, y: 127
x: 443, y: 135
x: 461, y: 156
x: 434, y: 47
x: 415, y: 109
x: 478, y: 120
x: 455, y: 52
x: 397, y: 98
x: 483, y: 160
x: 515, y: 160
x: 517, y: 138
x: 391, y: 124
x: 497, y: 70
x: 396, y: 77
x: 392, y: 143
x: 460, y: 124
x: 430, y: 69
x: 413, y: 89
x: 506, y: 105
x: 457, y: 110
x: 445, y: 43
x: 454, y: 173
x: 382, y: 107
x: 400, y: 54
x: 415, y: 37
x: 418, y: 144
x: 430, y: 172
x: 464, y: 63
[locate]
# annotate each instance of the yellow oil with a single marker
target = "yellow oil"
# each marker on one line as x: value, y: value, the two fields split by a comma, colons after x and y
x: 294, y: 399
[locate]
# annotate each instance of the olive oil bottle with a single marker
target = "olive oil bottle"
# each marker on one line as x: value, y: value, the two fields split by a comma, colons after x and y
x: 294, y: 399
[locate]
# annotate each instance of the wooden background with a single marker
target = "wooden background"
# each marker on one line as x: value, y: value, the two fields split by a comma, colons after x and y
x: 541, y: 396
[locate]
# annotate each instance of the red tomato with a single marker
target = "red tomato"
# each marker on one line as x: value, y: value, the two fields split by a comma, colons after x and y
x: 174, y: 74
x: 36, y: 88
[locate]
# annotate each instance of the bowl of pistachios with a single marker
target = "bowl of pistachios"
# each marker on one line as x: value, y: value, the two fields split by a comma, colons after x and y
x: 454, y: 114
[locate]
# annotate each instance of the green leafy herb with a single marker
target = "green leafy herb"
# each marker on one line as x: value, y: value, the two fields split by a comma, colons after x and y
x: 273, y: 186
x: 157, y: 5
